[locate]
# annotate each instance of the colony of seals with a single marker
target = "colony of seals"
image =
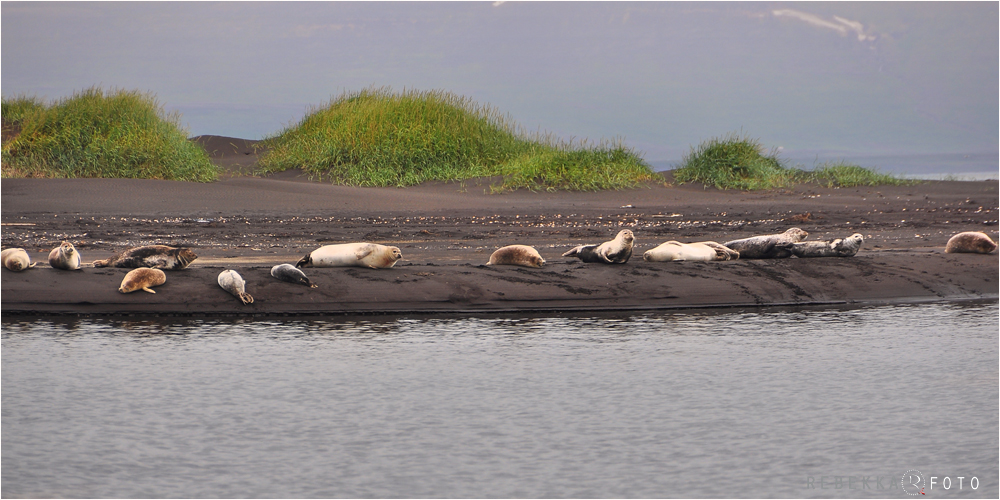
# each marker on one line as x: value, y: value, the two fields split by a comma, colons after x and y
x: 291, y: 274
x: 701, y: 251
x: 846, y: 247
x: 616, y: 251
x: 769, y: 246
x: 232, y: 282
x: 155, y: 256
x: 516, y: 255
x: 371, y: 255
x: 142, y: 279
x: 16, y: 259
x: 65, y: 257
x: 970, y: 242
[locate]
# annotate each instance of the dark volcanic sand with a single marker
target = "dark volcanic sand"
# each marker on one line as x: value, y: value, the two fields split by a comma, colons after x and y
x: 447, y: 231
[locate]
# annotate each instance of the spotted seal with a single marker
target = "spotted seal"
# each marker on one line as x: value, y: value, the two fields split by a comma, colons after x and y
x: 616, y: 251
x: 16, y: 259
x: 970, y: 242
x: 769, y: 246
x: 370, y: 255
x: 142, y: 279
x: 155, y: 256
x: 846, y: 247
x: 516, y: 255
x: 232, y: 282
x: 65, y: 257
x: 700, y: 251
x: 291, y: 274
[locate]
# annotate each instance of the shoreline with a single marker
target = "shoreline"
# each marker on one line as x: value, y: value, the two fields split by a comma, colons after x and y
x: 447, y: 231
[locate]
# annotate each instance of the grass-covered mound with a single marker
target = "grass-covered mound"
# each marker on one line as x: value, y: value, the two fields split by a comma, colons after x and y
x: 120, y: 134
x: 739, y: 162
x: 377, y: 137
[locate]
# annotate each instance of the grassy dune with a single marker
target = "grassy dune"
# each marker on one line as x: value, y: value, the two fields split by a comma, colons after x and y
x: 377, y: 137
x: 739, y: 162
x: 118, y: 134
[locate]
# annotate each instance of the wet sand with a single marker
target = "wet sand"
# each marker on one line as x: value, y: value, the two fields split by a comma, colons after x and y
x: 447, y: 231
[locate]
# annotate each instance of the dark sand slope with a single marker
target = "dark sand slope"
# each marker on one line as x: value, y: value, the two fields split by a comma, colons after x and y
x: 447, y: 232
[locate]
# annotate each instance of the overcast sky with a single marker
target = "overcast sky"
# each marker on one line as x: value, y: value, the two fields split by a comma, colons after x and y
x: 872, y: 78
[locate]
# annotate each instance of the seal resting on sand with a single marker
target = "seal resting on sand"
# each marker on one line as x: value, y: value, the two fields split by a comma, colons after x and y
x: 155, y: 256
x: 768, y: 246
x: 291, y: 274
x: 970, y: 242
x: 616, y: 251
x: 700, y: 251
x: 232, y: 282
x: 370, y: 255
x: 846, y: 247
x: 65, y: 257
x: 142, y: 279
x: 516, y: 255
x: 16, y: 259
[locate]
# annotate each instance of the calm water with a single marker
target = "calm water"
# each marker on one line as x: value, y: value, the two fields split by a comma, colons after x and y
x: 814, y: 403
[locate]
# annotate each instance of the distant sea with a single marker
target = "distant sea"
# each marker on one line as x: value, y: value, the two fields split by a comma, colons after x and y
x: 962, y: 167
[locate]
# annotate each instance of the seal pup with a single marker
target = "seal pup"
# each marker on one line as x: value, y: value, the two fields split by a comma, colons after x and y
x: 142, y: 279
x: 701, y: 251
x: 846, y: 247
x: 370, y: 255
x: 768, y: 246
x: 16, y: 259
x: 970, y: 242
x: 232, y: 282
x: 616, y: 251
x: 65, y: 257
x: 291, y: 274
x: 155, y: 256
x: 516, y: 255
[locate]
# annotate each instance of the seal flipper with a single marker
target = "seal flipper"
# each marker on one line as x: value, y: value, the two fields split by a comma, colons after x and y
x: 574, y: 251
x: 244, y: 297
x: 364, y: 252
x: 305, y: 261
x: 147, y: 289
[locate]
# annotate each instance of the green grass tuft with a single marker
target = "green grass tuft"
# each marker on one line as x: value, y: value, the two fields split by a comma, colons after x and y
x: 118, y: 134
x: 845, y: 174
x: 739, y: 162
x: 377, y: 137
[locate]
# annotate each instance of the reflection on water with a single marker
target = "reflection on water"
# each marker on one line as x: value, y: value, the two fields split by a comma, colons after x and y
x: 743, y: 404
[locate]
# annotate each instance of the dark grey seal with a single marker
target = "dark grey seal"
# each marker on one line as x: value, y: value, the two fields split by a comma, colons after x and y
x: 154, y: 256
x: 768, y: 246
x: 291, y: 274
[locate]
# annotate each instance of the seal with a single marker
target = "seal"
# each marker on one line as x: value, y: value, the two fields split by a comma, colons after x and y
x: 155, y: 256
x: 142, y: 279
x: 516, y: 255
x: 232, y: 282
x: 370, y: 255
x: 769, y: 246
x: 970, y: 242
x: 291, y: 274
x: 16, y: 259
x: 846, y: 247
x: 65, y: 257
x: 616, y: 251
x: 701, y: 251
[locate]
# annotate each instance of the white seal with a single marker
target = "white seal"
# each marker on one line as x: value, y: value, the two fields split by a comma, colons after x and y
x: 16, y: 259
x: 370, y: 255
x: 701, y: 251
x: 846, y: 247
x: 232, y: 282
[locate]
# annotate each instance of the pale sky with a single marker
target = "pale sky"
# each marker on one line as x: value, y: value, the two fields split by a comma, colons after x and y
x: 857, y: 78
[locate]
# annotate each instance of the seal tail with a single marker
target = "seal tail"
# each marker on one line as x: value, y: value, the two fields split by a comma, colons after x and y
x: 573, y: 252
x: 305, y: 261
x: 101, y: 263
x: 245, y: 298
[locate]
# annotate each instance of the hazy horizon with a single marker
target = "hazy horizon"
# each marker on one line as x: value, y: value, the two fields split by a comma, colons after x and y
x: 831, y: 78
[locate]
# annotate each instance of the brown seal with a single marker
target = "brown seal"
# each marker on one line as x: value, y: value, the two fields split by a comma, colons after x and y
x: 142, y: 279
x: 970, y: 242
x: 516, y: 255
x: 65, y: 257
